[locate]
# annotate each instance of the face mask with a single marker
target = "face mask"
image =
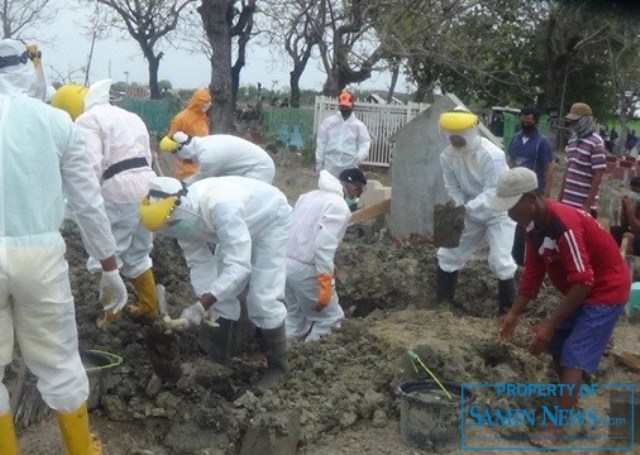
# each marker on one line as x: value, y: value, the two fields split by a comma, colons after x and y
x: 635, y: 197
x: 179, y: 229
x: 351, y: 201
x: 206, y: 107
x: 345, y: 113
x: 527, y: 129
x: 582, y: 126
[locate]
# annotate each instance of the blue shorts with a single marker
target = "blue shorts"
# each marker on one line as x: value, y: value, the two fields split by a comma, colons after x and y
x: 580, y: 340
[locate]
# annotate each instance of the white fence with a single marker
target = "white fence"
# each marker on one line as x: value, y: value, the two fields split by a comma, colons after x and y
x: 382, y: 120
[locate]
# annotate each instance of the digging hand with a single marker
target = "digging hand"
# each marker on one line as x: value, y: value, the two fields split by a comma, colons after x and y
x: 193, y: 314
x: 113, y: 292
x: 508, y: 325
x: 541, y: 335
x: 324, y: 291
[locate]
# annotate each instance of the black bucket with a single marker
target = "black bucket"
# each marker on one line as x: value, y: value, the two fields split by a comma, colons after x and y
x: 429, y: 420
x: 99, y: 365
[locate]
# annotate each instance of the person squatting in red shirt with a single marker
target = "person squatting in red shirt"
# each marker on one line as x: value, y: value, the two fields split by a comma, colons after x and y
x: 583, y: 262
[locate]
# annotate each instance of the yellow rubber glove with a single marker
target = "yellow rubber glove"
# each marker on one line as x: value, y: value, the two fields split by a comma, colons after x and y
x: 324, y: 291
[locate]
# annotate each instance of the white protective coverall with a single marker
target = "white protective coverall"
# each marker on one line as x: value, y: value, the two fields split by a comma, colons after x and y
x: 114, y: 135
x: 342, y: 144
x: 320, y: 219
x: 470, y: 176
x: 219, y: 155
x: 43, y: 159
x: 249, y: 221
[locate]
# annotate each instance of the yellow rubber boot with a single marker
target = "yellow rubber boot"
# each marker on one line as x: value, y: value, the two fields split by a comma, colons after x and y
x: 8, y: 441
x: 147, y: 305
x: 74, y: 427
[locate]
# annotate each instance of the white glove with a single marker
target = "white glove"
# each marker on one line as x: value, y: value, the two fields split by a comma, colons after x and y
x: 193, y: 314
x: 318, y: 167
x: 180, y: 137
x: 113, y: 292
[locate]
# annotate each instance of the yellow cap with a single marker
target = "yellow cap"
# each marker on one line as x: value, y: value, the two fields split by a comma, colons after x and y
x: 70, y: 98
x: 457, y: 122
x: 154, y: 215
x: 168, y: 145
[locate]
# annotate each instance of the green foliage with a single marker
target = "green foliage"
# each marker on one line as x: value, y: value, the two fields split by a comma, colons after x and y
x: 165, y: 85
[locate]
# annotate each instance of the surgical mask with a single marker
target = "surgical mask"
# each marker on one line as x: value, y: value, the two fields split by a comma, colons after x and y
x: 635, y: 197
x: 206, y: 107
x: 179, y: 229
x: 527, y: 128
x: 351, y: 201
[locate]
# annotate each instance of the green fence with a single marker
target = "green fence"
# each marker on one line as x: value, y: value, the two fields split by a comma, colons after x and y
x: 156, y: 114
x: 280, y: 119
x: 512, y: 124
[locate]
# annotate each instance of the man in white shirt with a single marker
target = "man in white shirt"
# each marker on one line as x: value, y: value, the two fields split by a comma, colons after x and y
x: 343, y: 141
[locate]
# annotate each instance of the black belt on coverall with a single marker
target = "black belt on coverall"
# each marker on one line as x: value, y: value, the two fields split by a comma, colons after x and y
x: 124, y: 165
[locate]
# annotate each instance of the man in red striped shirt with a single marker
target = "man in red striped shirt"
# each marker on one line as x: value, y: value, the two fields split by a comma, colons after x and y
x: 586, y: 156
x: 583, y: 263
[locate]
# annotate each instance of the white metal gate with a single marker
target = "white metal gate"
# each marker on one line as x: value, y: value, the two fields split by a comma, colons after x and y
x: 382, y: 120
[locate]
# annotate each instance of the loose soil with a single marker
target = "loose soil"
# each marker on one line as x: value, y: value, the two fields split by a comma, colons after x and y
x: 345, y: 386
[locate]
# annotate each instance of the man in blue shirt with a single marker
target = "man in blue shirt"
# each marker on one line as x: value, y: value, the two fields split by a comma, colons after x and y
x: 530, y: 149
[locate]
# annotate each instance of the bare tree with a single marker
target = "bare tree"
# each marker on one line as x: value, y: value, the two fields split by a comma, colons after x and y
x: 148, y: 22
x: 20, y: 17
x: 349, y: 48
x: 289, y: 26
x: 223, y: 20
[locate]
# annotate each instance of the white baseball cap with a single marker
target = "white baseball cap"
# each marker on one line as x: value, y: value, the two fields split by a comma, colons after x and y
x: 511, y: 186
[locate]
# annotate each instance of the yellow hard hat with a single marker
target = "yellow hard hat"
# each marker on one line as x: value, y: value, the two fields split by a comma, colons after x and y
x: 168, y: 145
x: 457, y: 122
x: 154, y: 215
x: 70, y: 98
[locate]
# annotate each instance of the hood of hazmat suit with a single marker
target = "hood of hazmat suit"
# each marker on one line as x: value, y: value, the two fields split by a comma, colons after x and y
x: 98, y: 94
x: 18, y: 75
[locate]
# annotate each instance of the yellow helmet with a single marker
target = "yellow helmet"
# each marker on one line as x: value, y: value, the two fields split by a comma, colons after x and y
x: 70, y: 98
x: 154, y: 215
x: 168, y: 145
x: 457, y: 122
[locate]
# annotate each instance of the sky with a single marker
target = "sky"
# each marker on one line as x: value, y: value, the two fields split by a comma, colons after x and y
x: 66, y: 50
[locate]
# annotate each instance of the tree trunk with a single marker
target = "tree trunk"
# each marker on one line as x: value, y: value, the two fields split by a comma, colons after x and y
x: 294, y: 82
x: 213, y: 13
x: 154, y: 64
x: 331, y: 87
x: 395, y: 71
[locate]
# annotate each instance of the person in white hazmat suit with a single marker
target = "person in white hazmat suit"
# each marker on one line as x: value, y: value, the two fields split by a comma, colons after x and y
x: 44, y: 160
x: 221, y: 154
x: 118, y: 149
x: 320, y: 219
x: 471, y: 166
x: 249, y: 221
x: 343, y: 141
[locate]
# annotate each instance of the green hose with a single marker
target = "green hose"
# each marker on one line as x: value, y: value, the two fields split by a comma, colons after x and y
x: 415, y: 358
